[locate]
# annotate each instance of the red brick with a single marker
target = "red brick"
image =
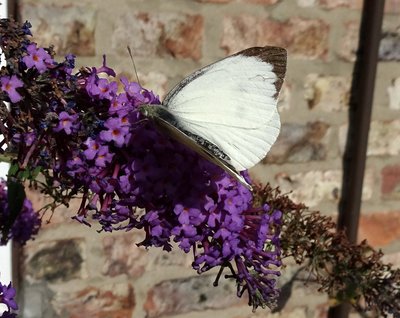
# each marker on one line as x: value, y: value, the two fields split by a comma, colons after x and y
x: 160, y: 259
x: 383, y: 140
x: 109, y: 301
x: 69, y: 28
x: 122, y: 256
x: 392, y: 6
x: 332, y: 4
x: 300, y: 143
x: 263, y: 2
x: 179, y: 296
x: 214, y: 1
x: 303, y: 38
x: 314, y: 187
x: 380, y: 228
x: 159, y: 34
x: 390, y: 186
x: 327, y: 93
x: 347, y: 47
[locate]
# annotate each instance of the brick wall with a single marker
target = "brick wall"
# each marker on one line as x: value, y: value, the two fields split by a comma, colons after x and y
x: 72, y: 271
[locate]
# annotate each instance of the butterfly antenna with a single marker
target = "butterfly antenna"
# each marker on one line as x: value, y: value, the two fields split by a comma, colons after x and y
x: 134, y: 65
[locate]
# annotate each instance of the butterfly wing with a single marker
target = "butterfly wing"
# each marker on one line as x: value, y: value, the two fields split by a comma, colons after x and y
x: 232, y: 103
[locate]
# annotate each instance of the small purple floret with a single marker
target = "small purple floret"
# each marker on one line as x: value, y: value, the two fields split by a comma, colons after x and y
x: 68, y: 123
x: 116, y: 131
x: 38, y: 58
x: 9, y: 85
x: 7, y: 294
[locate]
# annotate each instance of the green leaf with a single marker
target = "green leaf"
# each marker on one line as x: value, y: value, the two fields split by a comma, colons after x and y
x: 35, y: 172
x: 13, y: 169
x: 23, y: 175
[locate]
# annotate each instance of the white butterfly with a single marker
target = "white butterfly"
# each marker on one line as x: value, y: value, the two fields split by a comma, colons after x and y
x: 227, y: 111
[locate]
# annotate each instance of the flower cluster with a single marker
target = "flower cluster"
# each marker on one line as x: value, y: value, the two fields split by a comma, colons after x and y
x: 86, y: 134
x: 7, y: 294
x: 25, y: 225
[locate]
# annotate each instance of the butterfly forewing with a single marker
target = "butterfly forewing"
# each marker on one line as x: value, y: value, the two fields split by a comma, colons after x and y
x: 232, y: 103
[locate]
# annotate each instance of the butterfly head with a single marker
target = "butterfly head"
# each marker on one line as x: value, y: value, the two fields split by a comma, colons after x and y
x: 144, y: 110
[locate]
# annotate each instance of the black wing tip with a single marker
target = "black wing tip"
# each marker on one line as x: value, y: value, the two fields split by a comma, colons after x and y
x: 266, y: 53
x: 277, y: 56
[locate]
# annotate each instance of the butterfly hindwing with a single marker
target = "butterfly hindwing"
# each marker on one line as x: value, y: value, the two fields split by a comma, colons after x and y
x: 165, y: 121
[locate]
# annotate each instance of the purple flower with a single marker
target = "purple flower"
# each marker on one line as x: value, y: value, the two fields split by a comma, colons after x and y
x: 26, y: 28
x: 189, y: 215
x: 183, y: 213
x: 132, y: 176
x: 91, y: 85
x: 125, y: 183
x: 115, y: 132
x: 38, y: 58
x: 101, y: 87
x: 105, y: 69
x: 138, y: 93
x: 92, y: 148
x: 9, y: 86
x: 106, y: 89
x: 30, y: 138
x: 119, y: 105
x: 103, y: 156
x: 7, y: 294
x: 75, y: 166
x: 27, y: 223
x: 66, y: 122
x: 187, y: 230
x: 69, y: 62
x: 146, y: 170
x: 133, y: 89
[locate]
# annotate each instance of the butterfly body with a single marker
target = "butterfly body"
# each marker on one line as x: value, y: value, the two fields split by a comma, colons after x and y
x: 226, y: 111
